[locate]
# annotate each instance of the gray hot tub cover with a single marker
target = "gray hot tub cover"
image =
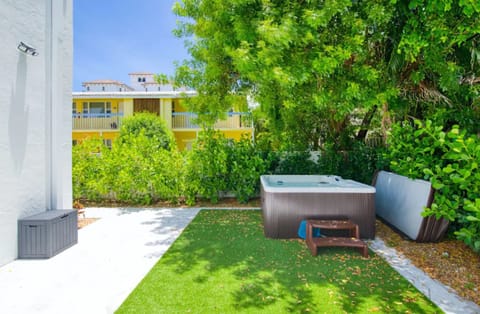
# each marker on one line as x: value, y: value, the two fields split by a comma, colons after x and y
x: 400, y: 202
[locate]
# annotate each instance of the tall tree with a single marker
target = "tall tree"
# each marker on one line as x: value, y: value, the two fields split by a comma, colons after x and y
x: 320, y: 69
x: 436, y: 59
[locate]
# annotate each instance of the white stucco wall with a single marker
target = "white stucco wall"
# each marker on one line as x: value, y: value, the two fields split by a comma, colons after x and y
x: 35, y: 123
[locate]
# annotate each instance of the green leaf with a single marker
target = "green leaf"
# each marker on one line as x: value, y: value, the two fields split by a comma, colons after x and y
x: 473, y: 219
x: 428, y: 171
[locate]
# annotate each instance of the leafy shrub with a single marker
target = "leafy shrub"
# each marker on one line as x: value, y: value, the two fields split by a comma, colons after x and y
x: 331, y: 161
x: 88, y: 164
x: 217, y: 165
x: 206, y: 167
x: 152, y: 127
x: 361, y: 162
x: 295, y: 163
x: 245, y: 166
x: 131, y: 170
x: 140, y: 168
x: 449, y: 160
x: 169, y: 175
x: 141, y: 173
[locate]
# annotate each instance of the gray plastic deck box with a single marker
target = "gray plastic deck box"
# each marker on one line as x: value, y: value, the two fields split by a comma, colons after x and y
x: 47, y: 234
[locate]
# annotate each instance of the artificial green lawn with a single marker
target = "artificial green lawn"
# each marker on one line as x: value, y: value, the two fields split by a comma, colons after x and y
x: 222, y: 263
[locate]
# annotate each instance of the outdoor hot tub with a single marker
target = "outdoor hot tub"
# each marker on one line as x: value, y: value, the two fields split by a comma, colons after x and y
x: 288, y: 199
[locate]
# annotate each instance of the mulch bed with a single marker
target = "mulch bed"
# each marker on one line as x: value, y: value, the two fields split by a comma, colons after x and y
x: 82, y: 222
x: 449, y: 261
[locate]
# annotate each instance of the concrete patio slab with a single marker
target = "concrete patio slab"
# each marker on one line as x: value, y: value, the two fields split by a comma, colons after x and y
x: 95, y: 276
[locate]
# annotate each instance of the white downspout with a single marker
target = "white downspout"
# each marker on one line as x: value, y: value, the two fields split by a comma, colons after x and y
x: 49, y: 151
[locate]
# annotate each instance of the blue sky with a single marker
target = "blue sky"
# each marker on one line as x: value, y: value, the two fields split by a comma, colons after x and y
x: 114, y: 38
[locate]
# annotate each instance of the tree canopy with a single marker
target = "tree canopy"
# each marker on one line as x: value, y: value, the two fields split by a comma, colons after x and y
x: 321, y: 70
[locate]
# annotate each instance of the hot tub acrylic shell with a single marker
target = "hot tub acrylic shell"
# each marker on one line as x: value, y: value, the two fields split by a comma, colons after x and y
x: 299, y: 197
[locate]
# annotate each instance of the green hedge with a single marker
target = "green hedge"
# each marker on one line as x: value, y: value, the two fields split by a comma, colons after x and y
x: 136, y: 170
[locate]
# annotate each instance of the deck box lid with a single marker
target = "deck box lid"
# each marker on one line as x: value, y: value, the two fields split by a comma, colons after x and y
x: 48, y: 215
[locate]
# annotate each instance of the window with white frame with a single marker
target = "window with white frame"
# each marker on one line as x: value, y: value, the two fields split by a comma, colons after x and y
x: 97, y: 109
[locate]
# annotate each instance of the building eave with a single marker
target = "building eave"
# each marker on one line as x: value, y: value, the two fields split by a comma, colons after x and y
x: 135, y: 94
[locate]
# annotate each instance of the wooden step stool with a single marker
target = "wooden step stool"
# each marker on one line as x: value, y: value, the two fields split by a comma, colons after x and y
x: 354, y: 240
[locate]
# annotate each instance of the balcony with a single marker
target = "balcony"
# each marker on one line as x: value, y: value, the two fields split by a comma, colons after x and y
x: 180, y: 120
x: 96, y: 121
x: 235, y: 120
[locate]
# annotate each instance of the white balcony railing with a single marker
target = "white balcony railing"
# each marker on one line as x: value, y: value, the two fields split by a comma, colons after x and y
x: 96, y: 121
x: 180, y: 120
x: 235, y: 120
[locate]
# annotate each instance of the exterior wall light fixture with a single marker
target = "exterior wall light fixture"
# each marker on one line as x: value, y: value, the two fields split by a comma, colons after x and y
x: 27, y: 49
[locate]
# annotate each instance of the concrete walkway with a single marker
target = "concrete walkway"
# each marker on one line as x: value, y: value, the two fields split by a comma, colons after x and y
x: 116, y: 252
x: 95, y: 276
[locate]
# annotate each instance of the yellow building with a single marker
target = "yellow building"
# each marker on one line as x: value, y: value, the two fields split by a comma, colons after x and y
x: 98, y: 111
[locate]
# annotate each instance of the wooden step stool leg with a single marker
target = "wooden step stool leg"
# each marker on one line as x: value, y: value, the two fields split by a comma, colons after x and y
x: 313, y: 247
x: 309, y: 239
x: 364, y: 250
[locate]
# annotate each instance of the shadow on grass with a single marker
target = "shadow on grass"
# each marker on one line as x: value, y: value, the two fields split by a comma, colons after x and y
x: 225, y: 263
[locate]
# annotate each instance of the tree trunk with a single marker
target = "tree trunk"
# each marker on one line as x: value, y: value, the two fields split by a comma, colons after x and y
x: 386, y: 121
x: 362, y: 133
